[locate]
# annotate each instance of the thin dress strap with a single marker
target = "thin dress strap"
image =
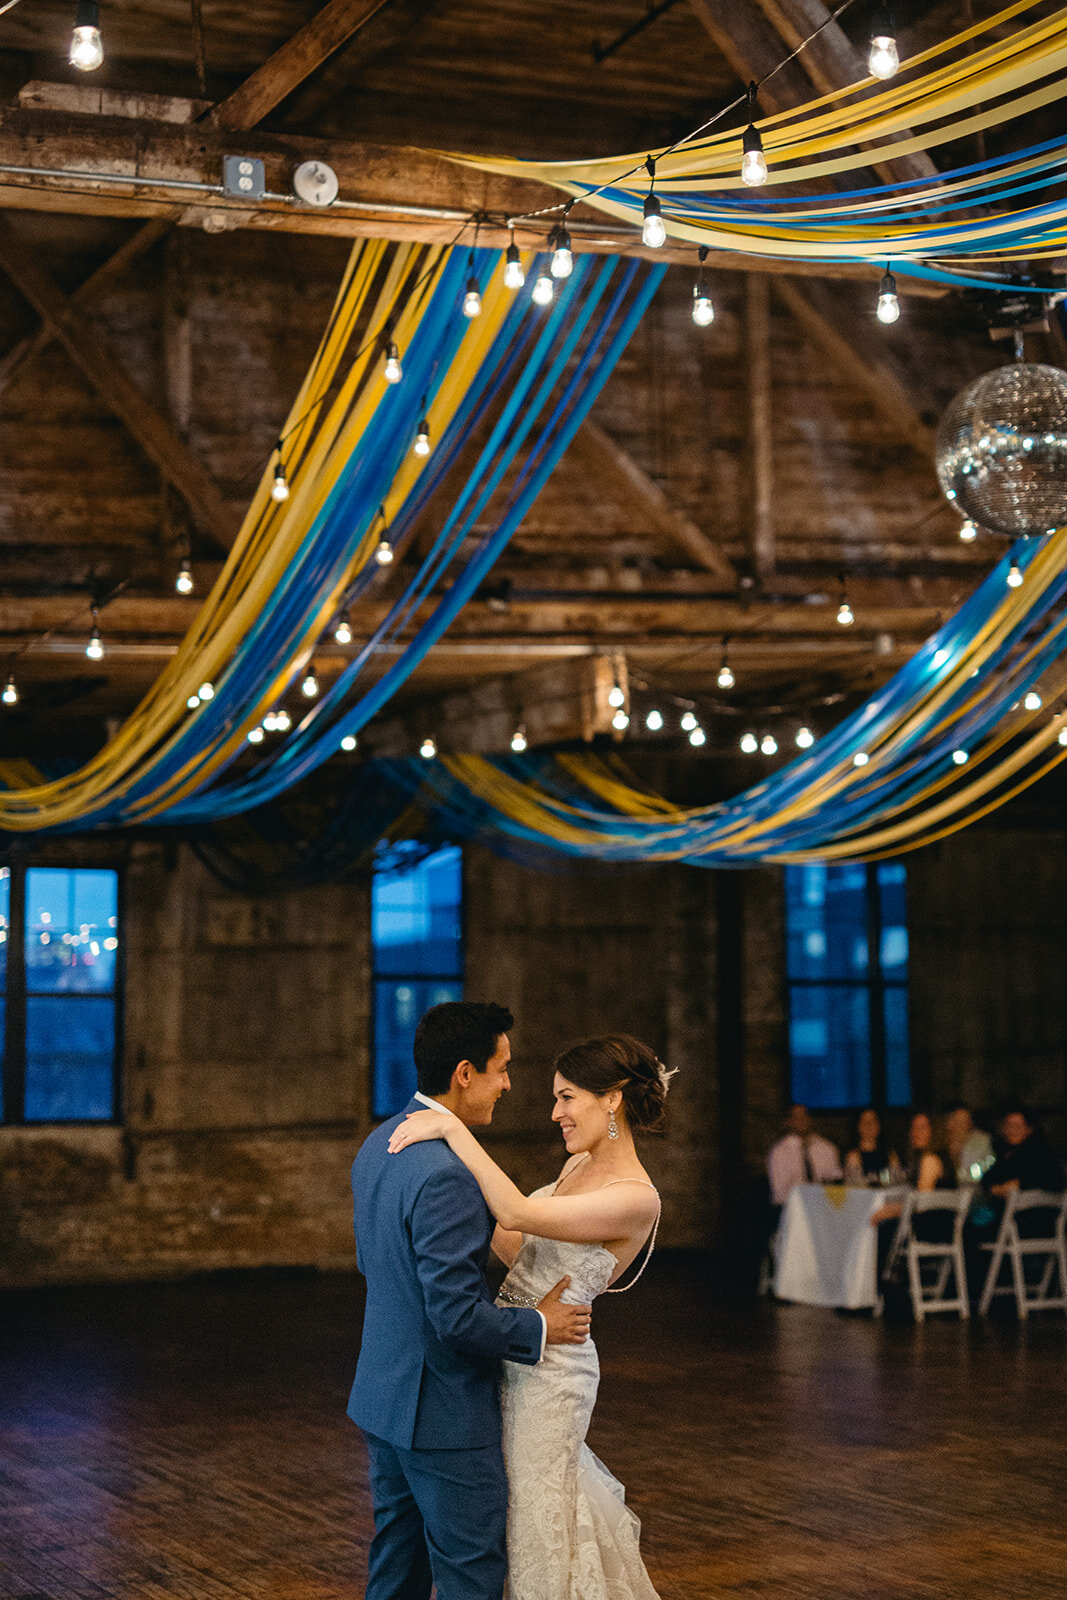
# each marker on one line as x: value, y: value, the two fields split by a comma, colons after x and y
x: 651, y: 1237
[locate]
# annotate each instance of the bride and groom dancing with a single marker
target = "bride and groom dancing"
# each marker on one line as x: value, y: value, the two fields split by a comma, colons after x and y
x: 475, y: 1412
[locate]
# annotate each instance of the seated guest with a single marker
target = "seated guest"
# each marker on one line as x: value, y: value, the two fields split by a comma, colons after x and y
x: 800, y: 1156
x: 970, y: 1148
x: 927, y: 1169
x: 1026, y: 1161
x: 871, y: 1162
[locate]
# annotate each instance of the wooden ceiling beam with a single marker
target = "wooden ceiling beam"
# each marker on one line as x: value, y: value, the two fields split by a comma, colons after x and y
x: 91, y: 355
x: 295, y: 61
x: 621, y: 476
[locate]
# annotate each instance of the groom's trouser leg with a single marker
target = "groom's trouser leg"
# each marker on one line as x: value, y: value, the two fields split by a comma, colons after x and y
x: 463, y: 1498
x: 399, y: 1561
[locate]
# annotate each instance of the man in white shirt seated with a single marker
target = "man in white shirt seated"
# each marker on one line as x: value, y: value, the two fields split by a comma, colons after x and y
x: 800, y: 1156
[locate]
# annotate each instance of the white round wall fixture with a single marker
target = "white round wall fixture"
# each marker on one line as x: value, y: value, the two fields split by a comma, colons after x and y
x: 315, y: 183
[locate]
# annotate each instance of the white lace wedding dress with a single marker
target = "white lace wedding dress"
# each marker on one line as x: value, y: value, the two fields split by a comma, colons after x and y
x: 570, y: 1533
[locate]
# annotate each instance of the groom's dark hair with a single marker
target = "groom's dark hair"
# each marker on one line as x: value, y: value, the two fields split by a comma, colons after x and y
x: 458, y: 1030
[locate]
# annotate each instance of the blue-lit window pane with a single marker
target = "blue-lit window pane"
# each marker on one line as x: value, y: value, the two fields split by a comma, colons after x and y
x: 897, y: 1069
x: 71, y: 931
x: 416, y: 930
x: 70, y: 1058
x: 826, y: 908
x: 829, y: 1042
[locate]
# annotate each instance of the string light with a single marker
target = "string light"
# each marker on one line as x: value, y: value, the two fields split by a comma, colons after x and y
x: 427, y: 749
x: 703, y: 310
x: 393, y: 371
x: 753, y: 161
x: 769, y: 744
x: 961, y: 757
x: 472, y: 298
x: 726, y: 679
x: 192, y: 702
x: 888, y: 308
x: 804, y: 738
x: 349, y: 742
x: 11, y: 695
x: 514, y: 276
x: 270, y: 722
x: 343, y: 631
x: 384, y: 552
x: 310, y: 685
x: 653, y: 233
x: 654, y: 720
x: 255, y: 735
x: 543, y: 290
x: 1015, y: 576
x: 845, y: 614
x: 283, y: 721
x: 184, y: 581
x: 620, y: 721
x: 883, y: 58
x: 206, y: 691
x: 86, y: 45
x: 421, y: 446
x: 1032, y: 701
x: 860, y: 759
x: 562, y: 255
x: 616, y: 697
x: 941, y: 656
x: 280, y: 491
x: 689, y: 722
x: 969, y: 531
x: 1061, y: 737
x: 95, y: 648
x: 518, y: 739
x: 698, y: 737
x: 749, y: 744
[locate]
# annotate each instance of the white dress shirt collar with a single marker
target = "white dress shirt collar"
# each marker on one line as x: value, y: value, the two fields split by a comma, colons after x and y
x: 434, y: 1105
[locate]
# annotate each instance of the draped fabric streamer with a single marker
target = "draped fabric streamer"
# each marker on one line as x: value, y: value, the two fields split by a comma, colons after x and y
x: 969, y: 215
x: 518, y: 376
x: 948, y: 740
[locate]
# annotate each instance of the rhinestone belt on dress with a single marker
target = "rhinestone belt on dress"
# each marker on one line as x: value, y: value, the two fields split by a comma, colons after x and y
x: 513, y: 1299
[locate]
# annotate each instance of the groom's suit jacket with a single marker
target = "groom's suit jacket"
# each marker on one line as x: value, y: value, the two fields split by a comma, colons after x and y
x: 432, y: 1337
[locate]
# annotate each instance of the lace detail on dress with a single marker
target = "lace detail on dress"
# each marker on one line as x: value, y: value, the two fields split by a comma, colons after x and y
x: 570, y: 1534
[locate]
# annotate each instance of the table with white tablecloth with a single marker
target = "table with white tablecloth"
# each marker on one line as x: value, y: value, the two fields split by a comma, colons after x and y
x: 826, y: 1252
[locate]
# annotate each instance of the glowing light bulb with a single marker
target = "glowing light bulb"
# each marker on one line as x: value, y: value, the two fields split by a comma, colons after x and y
x: 184, y: 581
x: 255, y: 735
x: 11, y: 694
x: 860, y: 759
x: 422, y: 439
x: 1015, y: 577
x: 753, y: 161
x: 749, y: 743
x: 961, y: 757
x: 804, y: 738
x: 427, y: 749
x: 514, y: 276
x: 383, y: 555
x: 543, y: 290
x: 726, y: 679
x: 280, y: 491
x: 310, y: 685
x: 348, y: 742
x: 1032, y: 701
x: 654, y: 720
x: 620, y: 721
x: 941, y: 656
x: 393, y: 371
x: 653, y: 233
x: 192, y: 702
x: 518, y: 740
x: 86, y: 45
x: 703, y: 310
x: 282, y: 722
x: 888, y: 308
x: 616, y: 696
x: 1061, y: 737
x: 343, y: 631
x: 472, y: 299
x: 95, y: 648
x: 769, y: 744
x: 698, y: 737
x: 270, y: 722
x: 845, y: 614
x: 968, y: 531
x: 206, y: 691
x: 689, y: 722
x: 562, y: 255
x: 883, y: 58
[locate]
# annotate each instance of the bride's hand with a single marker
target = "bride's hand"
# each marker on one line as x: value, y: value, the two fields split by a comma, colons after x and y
x: 419, y: 1126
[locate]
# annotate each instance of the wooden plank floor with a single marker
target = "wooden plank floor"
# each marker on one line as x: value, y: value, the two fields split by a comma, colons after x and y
x: 188, y: 1442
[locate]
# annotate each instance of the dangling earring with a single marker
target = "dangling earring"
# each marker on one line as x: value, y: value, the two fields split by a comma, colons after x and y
x: 613, y: 1126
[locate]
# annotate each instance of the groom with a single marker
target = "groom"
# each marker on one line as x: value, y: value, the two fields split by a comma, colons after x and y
x: 425, y: 1392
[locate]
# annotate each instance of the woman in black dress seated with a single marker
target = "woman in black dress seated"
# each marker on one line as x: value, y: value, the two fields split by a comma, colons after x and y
x: 871, y: 1162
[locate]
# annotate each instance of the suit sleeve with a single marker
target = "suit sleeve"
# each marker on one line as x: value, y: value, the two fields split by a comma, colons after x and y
x: 447, y: 1233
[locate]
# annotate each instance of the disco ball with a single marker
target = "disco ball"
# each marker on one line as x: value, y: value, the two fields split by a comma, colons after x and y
x: 1002, y: 450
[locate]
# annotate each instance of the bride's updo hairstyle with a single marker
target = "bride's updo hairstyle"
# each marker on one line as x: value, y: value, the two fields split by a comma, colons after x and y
x: 619, y: 1061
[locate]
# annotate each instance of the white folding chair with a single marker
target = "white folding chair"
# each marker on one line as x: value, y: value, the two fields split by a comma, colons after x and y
x: 928, y: 1289
x: 1017, y: 1250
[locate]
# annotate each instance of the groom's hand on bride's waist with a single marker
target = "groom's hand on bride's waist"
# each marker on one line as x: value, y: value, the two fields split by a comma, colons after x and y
x: 566, y: 1324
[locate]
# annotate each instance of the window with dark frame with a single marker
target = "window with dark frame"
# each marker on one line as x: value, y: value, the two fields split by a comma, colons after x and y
x: 847, y: 973
x: 417, y: 939
x: 59, y: 964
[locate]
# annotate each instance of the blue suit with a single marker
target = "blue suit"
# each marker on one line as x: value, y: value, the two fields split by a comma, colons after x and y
x: 425, y: 1392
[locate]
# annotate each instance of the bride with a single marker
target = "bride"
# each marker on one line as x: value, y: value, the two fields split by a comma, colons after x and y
x: 570, y: 1534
